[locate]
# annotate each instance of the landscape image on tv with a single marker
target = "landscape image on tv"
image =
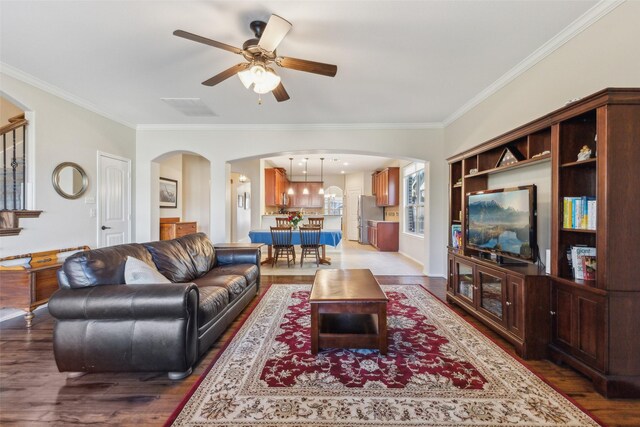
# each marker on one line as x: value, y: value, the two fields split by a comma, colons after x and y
x: 500, y: 222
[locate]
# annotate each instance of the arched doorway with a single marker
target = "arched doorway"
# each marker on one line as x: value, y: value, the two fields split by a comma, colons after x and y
x: 190, y: 172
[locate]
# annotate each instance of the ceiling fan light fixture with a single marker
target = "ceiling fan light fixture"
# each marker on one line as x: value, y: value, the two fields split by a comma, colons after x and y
x: 263, y: 78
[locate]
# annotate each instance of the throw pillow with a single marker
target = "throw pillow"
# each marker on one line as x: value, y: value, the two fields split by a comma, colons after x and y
x: 138, y: 272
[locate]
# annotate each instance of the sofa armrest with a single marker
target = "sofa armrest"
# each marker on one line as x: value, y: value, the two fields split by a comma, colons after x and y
x: 149, y: 301
x: 226, y: 256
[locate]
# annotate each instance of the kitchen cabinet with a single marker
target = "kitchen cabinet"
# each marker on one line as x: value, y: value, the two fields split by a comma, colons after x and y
x: 383, y: 235
x: 386, y: 186
x: 276, y: 185
x: 311, y: 200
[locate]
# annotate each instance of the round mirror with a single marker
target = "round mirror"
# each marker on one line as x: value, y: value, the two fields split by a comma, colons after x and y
x: 69, y: 180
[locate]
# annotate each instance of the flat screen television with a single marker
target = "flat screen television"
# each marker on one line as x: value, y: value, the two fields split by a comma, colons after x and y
x: 503, y: 222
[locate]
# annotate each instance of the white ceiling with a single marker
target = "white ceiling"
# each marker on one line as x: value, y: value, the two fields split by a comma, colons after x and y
x: 334, y: 164
x: 398, y: 61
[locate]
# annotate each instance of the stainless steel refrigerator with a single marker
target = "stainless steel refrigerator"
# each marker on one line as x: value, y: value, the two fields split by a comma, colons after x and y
x: 367, y: 210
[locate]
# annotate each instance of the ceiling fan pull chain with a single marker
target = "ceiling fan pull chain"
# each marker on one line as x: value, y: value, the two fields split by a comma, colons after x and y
x: 259, y: 99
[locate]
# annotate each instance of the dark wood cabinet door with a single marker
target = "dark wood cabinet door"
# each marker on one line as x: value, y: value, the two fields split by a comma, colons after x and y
x: 589, y: 335
x: 491, y: 290
x: 561, y: 317
x: 515, y: 305
x: 451, y: 273
x: 464, y: 281
x: 578, y: 323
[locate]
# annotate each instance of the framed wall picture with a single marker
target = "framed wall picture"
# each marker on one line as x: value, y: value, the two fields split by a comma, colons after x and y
x: 168, y: 193
x: 240, y: 201
x: 247, y: 200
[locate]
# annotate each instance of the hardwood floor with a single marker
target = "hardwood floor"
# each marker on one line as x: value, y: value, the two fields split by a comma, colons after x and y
x: 34, y: 393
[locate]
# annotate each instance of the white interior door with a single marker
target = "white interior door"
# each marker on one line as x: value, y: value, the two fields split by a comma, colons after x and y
x: 352, y: 213
x: 114, y: 200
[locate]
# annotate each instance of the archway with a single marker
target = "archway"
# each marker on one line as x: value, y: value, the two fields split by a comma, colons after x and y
x: 225, y: 144
x: 190, y: 172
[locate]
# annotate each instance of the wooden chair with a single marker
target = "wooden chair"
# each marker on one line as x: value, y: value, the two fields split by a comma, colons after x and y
x: 282, y: 222
x: 310, y: 242
x: 281, y: 243
x: 316, y: 221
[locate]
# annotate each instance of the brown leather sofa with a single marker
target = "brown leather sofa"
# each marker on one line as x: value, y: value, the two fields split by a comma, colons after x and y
x: 103, y: 325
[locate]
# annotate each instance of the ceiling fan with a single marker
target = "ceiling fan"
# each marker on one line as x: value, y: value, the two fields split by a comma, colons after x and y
x: 260, y: 52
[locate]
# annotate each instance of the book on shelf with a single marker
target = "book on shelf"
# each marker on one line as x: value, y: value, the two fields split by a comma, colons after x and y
x: 456, y: 236
x: 579, y: 213
x: 589, y: 267
x: 577, y: 261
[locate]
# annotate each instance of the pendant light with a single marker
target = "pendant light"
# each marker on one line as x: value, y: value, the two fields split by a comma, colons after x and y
x: 290, y: 190
x: 306, y: 163
x: 321, y: 191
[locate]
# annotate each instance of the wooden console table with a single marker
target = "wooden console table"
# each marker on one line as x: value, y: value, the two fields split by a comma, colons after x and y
x: 30, y: 286
x: 172, y: 228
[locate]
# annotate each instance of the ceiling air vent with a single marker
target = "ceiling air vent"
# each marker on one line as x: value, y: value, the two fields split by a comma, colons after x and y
x: 190, y: 107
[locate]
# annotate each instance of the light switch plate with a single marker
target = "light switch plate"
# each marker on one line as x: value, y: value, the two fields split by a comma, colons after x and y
x: 92, y: 213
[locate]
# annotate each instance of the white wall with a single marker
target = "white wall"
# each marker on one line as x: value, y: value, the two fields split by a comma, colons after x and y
x: 254, y: 172
x: 222, y: 146
x: 63, y: 132
x: 196, y: 191
x: 171, y: 168
x: 604, y: 55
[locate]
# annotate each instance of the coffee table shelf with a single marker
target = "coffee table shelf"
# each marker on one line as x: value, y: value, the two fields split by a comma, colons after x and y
x: 348, y: 310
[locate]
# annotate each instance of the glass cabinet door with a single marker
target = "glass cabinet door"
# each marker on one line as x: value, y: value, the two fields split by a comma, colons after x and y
x: 491, y: 284
x: 464, y: 280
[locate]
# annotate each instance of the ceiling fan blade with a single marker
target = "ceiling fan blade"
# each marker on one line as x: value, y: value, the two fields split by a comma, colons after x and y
x: 200, y: 39
x: 273, y: 34
x: 308, y: 66
x: 225, y: 74
x: 280, y: 93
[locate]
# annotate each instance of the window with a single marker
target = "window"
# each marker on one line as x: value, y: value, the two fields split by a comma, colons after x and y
x: 333, y: 201
x: 414, y: 198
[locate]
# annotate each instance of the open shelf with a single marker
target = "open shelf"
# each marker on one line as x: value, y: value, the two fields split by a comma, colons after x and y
x: 588, y: 162
x: 580, y: 283
x: 578, y: 230
x: 521, y: 163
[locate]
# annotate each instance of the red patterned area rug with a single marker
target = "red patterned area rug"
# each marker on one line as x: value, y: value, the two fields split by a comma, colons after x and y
x: 439, y: 371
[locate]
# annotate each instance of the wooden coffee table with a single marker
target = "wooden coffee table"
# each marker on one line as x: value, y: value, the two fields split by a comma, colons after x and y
x: 348, y: 310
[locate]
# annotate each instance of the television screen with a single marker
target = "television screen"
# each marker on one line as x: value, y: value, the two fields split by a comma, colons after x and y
x: 503, y: 221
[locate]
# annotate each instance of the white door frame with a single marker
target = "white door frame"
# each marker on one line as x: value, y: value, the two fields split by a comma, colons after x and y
x: 351, y: 210
x: 100, y: 155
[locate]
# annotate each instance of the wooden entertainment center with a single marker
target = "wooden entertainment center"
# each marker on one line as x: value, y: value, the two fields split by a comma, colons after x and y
x: 591, y: 325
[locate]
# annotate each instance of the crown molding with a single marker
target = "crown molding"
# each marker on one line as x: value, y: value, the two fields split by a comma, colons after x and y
x: 591, y: 16
x: 288, y: 127
x: 60, y: 93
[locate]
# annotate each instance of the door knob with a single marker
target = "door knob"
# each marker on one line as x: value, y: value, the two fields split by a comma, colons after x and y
x: 105, y: 227
x: 508, y: 303
x: 553, y: 313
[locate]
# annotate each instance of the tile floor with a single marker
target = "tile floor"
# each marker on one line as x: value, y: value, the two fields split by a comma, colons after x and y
x: 350, y: 254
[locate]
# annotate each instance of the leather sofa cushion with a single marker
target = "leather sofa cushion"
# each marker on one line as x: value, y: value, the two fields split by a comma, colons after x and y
x: 201, y: 252
x: 234, y: 284
x: 172, y: 260
x: 213, y: 300
x: 248, y: 271
x: 103, y: 266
